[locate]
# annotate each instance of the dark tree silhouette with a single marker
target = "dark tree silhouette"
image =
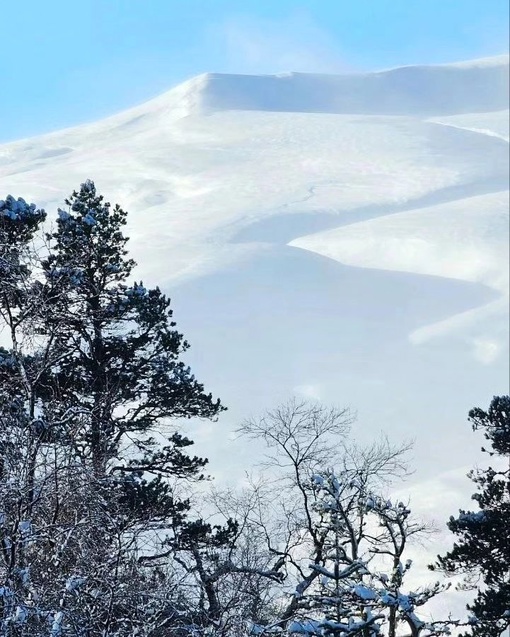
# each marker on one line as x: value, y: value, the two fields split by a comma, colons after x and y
x: 482, y: 548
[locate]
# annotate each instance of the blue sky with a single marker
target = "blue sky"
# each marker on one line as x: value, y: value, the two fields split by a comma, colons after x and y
x: 64, y: 62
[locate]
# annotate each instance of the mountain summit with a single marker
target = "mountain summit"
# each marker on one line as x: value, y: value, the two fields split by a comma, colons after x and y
x: 469, y: 87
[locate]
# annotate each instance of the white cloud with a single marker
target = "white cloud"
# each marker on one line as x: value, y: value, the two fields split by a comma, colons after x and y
x: 294, y: 43
x: 486, y: 350
x: 309, y: 391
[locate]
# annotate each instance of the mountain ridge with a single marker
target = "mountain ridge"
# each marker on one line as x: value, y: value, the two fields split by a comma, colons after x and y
x: 425, y: 90
x: 299, y: 92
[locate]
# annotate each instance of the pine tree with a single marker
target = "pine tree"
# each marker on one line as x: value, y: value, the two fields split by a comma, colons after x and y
x: 91, y: 381
x: 482, y: 550
x: 19, y: 299
x: 126, y: 350
x: 124, y: 376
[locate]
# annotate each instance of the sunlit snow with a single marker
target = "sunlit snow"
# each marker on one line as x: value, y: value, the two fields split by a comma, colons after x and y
x: 341, y: 237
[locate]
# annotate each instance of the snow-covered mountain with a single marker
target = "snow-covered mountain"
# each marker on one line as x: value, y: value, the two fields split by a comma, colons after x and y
x: 439, y: 90
x: 336, y: 237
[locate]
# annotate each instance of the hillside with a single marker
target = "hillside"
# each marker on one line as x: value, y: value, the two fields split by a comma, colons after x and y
x: 335, y: 237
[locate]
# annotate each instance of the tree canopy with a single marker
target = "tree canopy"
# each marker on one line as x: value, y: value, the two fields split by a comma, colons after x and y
x: 91, y: 379
x: 482, y: 547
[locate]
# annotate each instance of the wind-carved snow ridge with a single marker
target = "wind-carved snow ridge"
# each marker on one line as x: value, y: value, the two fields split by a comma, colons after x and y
x: 495, y: 124
x: 449, y: 89
x: 419, y: 90
x: 465, y: 239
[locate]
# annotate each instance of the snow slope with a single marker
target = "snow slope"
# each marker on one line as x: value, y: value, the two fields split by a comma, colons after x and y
x: 465, y: 239
x: 338, y: 237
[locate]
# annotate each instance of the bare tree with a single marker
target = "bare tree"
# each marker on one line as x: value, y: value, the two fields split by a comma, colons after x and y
x: 318, y: 519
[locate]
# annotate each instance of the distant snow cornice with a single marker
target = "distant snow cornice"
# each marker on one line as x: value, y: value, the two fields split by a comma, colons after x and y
x: 447, y: 89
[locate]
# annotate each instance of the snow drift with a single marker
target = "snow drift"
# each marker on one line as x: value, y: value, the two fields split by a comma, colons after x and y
x: 337, y: 237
